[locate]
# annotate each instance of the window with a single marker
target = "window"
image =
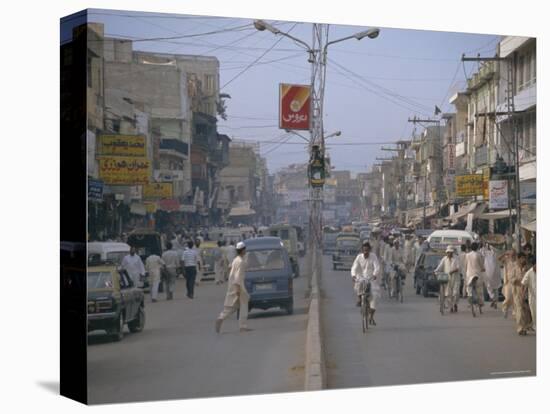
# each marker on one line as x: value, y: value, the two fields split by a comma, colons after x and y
x: 265, y: 260
x: 100, y: 280
x: 209, y: 83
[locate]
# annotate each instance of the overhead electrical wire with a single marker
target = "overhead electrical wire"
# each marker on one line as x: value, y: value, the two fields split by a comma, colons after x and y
x: 255, y: 60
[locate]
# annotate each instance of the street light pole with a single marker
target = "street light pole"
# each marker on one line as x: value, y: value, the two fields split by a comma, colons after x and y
x: 317, y: 57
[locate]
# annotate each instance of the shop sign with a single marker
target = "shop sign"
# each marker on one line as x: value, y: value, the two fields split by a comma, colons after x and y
x: 498, y: 194
x: 469, y: 185
x: 122, y: 145
x: 124, y: 170
x: 157, y: 190
x: 95, y: 189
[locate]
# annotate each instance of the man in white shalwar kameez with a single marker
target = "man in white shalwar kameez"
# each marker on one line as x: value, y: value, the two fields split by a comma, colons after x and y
x: 154, y: 265
x: 134, y: 266
x: 237, y: 296
x: 366, y: 266
x: 449, y: 264
x: 475, y: 268
x: 530, y: 282
x: 492, y: 274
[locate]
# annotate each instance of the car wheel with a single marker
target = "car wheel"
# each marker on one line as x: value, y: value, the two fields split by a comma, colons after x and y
x: 425, y: 292
x: 138, y: 324
x: 290, y: 308
x: 117, y: 333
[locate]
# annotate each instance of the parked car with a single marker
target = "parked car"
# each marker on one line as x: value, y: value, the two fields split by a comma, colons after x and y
x: 114, y: 301
x: 112, y: 252
x: 348, y: 246
x: 269, y: 274
x: 289, y: 236
x: 424, y: 277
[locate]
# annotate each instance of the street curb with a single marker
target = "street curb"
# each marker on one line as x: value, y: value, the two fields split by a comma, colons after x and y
x: 315, y: 363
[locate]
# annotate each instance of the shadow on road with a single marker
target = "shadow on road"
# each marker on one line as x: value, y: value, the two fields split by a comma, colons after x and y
x: 99, y: 338
x: 51, y: 386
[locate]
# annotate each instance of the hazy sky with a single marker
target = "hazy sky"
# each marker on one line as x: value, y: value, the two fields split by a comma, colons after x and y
x: 372, y: 86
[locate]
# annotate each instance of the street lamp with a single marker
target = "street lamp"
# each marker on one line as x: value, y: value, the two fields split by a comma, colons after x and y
x: 334, y: 134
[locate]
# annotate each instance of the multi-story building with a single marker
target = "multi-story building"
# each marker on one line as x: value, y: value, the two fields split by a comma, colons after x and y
x: 516, y: 116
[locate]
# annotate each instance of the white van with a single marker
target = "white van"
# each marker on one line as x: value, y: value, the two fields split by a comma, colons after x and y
x: 440, y: 239
x: 109, y: 251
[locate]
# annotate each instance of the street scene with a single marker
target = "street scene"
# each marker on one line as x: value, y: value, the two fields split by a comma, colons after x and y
x: 281, y: 206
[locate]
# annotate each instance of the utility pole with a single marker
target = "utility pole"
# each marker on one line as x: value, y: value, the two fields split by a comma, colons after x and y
x: 510, y: 112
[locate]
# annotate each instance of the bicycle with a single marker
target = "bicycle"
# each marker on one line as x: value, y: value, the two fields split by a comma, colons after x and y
x: 443, y: 279
x: 365, y: 292
x: 397, y: 288
x: 474, y: 299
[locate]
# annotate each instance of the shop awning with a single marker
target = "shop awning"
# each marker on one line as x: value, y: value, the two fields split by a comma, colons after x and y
x: 241, y: 211
x: 532, y: 226
x: 474, y: 208
x: 138, y: 209
x: 496, y: 215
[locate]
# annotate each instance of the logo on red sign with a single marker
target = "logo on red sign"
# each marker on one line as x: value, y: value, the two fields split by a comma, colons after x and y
x: 294, y: 106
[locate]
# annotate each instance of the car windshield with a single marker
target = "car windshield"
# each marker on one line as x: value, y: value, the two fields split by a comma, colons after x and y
x: 347, y: 243
x: 264, y: 260
x: 432, y: 261
x: 100, y: 280
x: 116, y: 257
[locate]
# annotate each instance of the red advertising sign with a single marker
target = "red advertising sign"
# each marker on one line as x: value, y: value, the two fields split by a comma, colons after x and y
x: 294, y: 106
x: 169, y: 204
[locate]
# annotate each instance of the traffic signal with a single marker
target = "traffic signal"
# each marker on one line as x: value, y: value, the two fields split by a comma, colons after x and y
x: 316, y: 169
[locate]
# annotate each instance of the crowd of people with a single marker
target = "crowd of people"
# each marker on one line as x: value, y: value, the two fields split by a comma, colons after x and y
x: 476, y: 266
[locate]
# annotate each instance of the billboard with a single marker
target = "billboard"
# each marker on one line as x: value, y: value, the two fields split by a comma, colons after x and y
x: 122, y: 145
x: 124, y: 170
x: 469, y: 185
x: 294, y: 106
x: 157, y: 190
x: 498, y: 194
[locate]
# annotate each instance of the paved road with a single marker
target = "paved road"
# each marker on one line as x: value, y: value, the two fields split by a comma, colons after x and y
x: 413, y: 343
x: 179, y: 355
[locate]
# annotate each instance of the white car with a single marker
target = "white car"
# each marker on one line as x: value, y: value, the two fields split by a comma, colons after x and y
x: 112, y: 252
x: 440, y: 239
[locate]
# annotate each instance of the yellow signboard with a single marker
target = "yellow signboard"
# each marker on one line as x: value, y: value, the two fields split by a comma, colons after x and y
x: 150, y: 206
x: 124, y: 170
x: 469, y: 185
x: 122, y: 145
x: 157, y: 190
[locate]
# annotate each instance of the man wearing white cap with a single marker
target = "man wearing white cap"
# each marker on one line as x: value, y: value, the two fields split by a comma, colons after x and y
x: 449, y: 264
x: 237, y: 296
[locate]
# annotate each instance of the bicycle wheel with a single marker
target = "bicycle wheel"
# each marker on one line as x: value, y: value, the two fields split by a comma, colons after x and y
x: 364, y: 314
x: 473, y: 301
x: 442, y: 298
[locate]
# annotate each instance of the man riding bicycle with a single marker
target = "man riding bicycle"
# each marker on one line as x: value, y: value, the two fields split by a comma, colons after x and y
x: 449, y: 264
x: 366, y: 267
x: 397, y: 265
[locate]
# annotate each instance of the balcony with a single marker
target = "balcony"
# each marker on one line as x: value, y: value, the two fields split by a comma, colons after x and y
x: 174, y: 147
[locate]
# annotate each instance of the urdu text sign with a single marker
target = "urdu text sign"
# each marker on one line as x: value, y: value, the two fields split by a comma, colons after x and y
x: 469, y: 185
x: 122, y: 145
x: 294, y: 106
x: 124, y: 170
x: 157, y: 190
